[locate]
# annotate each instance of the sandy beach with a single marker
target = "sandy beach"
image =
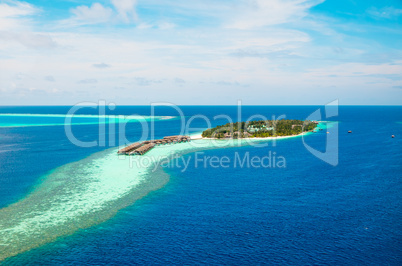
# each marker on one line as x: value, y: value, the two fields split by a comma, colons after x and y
x: 199, y: 136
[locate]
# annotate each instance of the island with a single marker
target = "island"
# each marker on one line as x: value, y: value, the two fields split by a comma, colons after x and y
x: 260, y: 129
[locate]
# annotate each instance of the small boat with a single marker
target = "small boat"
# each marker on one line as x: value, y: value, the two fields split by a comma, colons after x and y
x: 350, y: 131
x: 393, y: 136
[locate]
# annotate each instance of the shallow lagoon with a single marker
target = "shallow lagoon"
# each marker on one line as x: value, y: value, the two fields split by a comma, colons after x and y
x: 308, y: 213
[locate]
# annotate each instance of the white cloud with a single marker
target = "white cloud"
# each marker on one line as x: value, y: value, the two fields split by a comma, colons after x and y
x: 87, y: 81
x: 357, y: 70
x: 273, y: 61
x: 259, y: 13
x: 126, y: 9
x: 16, y: 9
x: 16, y: 25
x: 166, y: 25
x: 96, y: 13
x: 28, y: 39
x: 13, y: 15
x: 120, y: 11
x: 385, y: 12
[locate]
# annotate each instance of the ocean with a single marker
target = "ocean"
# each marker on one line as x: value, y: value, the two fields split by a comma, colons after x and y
x: 64, y: 204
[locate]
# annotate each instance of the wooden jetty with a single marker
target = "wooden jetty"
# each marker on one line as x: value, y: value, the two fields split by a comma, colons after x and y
x: 144, y: 149
x: 145, y: 146
x: 130, y: 148
x: 178, y: 138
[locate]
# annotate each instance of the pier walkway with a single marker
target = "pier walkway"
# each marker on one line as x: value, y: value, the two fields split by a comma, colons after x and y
x: 140, y: 148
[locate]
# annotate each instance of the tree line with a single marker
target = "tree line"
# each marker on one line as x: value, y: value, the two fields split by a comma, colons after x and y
x: 260, y: 129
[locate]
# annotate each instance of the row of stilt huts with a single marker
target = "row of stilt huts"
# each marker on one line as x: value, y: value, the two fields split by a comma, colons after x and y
x: 140, y: 148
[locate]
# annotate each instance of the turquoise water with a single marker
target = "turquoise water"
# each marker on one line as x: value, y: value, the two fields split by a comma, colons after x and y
x: 31, y: 120
x: 87, y: 192
x: 67, y: 205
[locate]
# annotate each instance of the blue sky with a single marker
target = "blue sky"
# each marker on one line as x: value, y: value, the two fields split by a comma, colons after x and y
x: 201, y: 52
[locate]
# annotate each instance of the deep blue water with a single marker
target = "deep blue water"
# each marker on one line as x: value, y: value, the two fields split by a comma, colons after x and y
x: 307, y: 213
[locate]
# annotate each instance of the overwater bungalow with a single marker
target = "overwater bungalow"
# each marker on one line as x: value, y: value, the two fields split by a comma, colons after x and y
x: 129, y: 148
x: 144, y: 149
x: 178, y: 138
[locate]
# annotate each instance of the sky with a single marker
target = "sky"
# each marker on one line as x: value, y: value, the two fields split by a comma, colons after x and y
x: 201, y: 52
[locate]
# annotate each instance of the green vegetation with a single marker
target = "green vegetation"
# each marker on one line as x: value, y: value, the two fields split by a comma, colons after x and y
x: 260, y: 129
